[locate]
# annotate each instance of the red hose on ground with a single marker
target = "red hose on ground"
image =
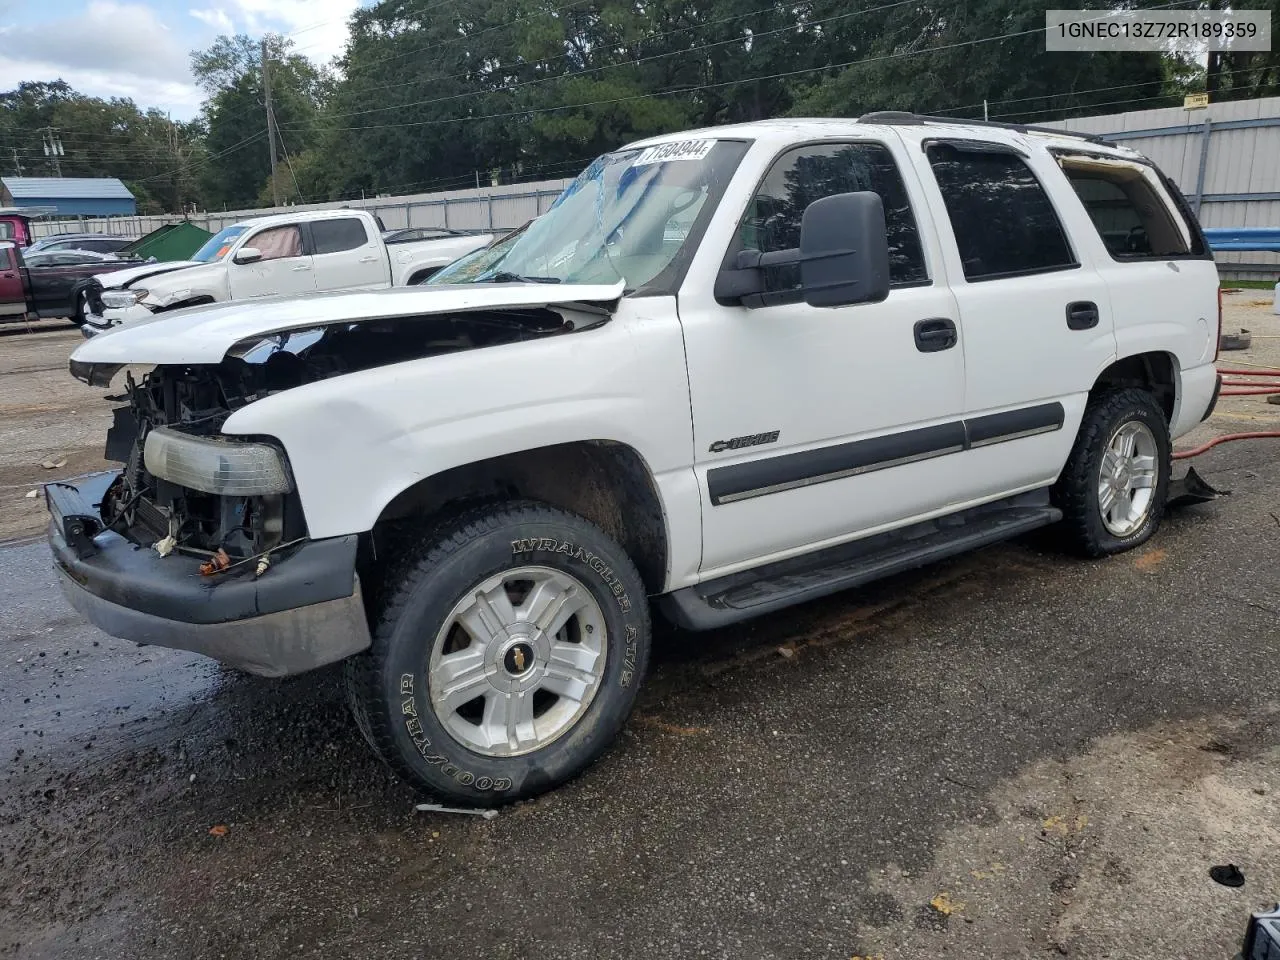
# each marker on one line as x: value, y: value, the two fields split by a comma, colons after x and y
x: 1238, y: 388
x: 1256, y: 435
x: 1257, y: 372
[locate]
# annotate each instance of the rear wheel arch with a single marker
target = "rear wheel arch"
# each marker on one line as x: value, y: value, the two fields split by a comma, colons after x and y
x: 603, y: 481
x: 1157, y: 372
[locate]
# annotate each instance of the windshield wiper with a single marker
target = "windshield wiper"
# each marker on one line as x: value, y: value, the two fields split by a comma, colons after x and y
x: 506, y: 276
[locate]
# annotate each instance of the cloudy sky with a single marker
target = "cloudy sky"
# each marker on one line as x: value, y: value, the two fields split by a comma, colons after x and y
x: 139, y: 48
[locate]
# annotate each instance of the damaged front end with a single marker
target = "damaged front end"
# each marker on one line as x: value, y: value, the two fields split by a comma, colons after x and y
x: 188, y: 488
x: 200, y: 541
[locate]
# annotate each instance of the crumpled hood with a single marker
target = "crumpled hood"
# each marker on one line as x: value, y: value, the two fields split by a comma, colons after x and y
x: 177, y: 285
x: 119, y: 279
x: 204, y: 334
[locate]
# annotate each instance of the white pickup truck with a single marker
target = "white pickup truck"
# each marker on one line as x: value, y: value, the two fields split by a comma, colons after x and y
x: 730, y: 370
x: 285, y: 255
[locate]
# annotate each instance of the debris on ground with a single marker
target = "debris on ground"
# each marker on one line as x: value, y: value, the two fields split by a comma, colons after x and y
x: 1228, y: 875
x: 944, y: 905
x: 220, y: 830
x: 439, y: 808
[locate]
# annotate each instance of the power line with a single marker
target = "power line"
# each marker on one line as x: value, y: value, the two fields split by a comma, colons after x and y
x: 694, y: 88
x: 296, y: 189
x: 683, y: 51
x: 560, y: 56
x: 471, y: 36
x: 203, y: 161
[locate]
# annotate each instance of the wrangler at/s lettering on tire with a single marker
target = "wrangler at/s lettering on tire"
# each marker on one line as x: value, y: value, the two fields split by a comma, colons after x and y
x: 507, y: 653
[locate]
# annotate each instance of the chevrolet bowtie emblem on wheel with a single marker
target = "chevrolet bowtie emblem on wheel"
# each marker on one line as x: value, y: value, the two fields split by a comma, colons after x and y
x: 518, y: 658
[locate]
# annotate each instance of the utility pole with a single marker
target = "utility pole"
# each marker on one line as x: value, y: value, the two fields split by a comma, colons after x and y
x: 52, y: 144
x: 271, y: 122
x: 17, y: 163
x: 176, y: 150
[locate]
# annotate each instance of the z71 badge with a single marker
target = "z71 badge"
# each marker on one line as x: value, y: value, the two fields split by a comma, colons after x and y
x: 751, y: 440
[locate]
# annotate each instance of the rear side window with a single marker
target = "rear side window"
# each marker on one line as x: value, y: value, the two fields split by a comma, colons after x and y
x: 805, y: 174
x: 334, y: 236
x: 1132, y: 216
x: 1004, y: 222
x: 6, y: 230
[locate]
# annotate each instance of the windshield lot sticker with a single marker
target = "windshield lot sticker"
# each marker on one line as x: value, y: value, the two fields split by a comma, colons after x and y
x: 681, y: 150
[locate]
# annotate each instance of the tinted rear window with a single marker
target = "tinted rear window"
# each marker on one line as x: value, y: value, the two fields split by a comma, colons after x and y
x: 334, y: 236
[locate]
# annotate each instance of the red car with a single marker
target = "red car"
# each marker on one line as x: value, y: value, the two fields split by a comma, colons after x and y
x: 55, y: 289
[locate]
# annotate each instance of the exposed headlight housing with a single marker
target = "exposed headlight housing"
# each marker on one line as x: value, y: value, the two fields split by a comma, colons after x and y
x: 227, y: 468
x: 121, y: 299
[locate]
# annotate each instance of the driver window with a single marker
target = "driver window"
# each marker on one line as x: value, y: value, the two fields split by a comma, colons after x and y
x: 277, y: 243
x: 806, y: 174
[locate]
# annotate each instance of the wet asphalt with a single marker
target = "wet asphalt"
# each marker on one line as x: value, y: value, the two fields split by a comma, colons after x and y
x: 779, y: 792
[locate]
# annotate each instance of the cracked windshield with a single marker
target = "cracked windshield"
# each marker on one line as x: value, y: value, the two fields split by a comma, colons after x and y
x: 627, y: 217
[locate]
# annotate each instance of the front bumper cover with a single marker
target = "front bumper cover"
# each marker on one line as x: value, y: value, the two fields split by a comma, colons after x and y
x: 304, y: 612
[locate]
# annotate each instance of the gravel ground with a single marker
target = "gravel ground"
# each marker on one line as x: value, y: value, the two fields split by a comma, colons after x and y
x: 1013, y: 754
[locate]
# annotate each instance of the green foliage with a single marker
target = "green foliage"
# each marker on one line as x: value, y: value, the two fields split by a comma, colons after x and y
x: 155, y: 158
x: 435, y: 94
x: 230, y: 72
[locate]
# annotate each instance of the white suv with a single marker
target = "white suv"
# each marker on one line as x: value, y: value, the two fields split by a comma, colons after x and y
x: 730, y: 370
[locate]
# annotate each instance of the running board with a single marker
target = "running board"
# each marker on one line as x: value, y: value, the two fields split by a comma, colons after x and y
x: 741, y: 596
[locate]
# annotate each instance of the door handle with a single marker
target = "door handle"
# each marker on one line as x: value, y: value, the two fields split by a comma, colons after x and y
x: 1082, y: 315
x: 368, y: 259
x: 934, y: 334
x: 302, y: 266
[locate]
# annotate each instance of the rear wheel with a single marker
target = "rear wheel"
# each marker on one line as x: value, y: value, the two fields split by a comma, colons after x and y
x: 1113, y: 490
x: 506, y: 656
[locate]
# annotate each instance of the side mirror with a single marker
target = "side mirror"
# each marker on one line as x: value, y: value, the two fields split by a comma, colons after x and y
x: 248, y: 255
x: 844, y: 251
x: 843, y: 258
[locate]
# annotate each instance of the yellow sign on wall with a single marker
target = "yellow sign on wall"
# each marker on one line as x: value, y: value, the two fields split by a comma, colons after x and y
x: 1195, y: 101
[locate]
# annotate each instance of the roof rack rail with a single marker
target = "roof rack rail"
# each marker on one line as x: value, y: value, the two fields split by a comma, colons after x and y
x: 904, y: 117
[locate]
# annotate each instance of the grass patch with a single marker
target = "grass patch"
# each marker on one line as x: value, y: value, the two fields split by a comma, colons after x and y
x: 1248, y: 284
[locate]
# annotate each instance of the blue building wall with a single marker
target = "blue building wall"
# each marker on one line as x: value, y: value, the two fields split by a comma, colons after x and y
x: 72, y: 207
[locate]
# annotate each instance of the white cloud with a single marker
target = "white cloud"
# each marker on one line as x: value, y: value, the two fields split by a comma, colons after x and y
x: 216, y: 18
x: 318, y: 28
x: 125, y: 48
x: 112, y: 48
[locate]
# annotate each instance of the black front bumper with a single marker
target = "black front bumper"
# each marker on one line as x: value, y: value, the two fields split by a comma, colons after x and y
x: 304, y: 611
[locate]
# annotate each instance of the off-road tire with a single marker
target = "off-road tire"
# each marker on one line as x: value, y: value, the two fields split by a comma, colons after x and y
x: 1076, y: 492
x: 388, y: 685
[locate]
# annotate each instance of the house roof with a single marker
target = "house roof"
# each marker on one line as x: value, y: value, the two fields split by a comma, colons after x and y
x: 66, y: 188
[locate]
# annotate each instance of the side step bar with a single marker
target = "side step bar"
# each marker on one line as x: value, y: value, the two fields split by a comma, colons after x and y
x: 741, y: 596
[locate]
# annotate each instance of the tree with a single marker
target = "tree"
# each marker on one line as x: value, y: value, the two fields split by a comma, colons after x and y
x: 101, y: 138
x: 238, y: 167
x: 949, y: 56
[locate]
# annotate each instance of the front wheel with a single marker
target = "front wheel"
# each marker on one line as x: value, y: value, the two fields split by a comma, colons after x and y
x: 82, y: 309
x: 1113, y: 489
x: 506, y: 655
